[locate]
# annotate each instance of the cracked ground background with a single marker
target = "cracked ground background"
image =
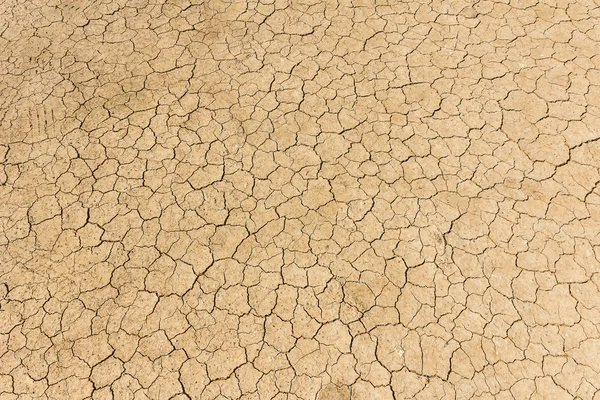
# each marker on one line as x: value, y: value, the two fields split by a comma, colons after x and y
x: 301, y: 199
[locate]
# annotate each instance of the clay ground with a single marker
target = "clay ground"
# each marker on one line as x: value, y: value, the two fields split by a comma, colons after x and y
x: 299, y: 199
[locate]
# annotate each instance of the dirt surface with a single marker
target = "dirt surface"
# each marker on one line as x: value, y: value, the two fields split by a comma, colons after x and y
x: 302, y: 199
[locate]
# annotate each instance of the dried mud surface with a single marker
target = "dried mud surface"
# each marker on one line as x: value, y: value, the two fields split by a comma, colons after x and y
x: 301, y: 199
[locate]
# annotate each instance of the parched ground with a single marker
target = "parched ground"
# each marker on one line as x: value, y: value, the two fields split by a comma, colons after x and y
x: 299, y: 199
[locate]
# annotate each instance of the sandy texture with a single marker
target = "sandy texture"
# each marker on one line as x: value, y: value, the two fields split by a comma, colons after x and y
x: 299, y: 199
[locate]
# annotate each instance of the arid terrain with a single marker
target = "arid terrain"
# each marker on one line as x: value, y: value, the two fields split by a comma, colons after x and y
x: 299, y: 199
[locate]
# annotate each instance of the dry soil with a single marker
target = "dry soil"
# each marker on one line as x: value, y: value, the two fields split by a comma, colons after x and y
x: 299, y: 199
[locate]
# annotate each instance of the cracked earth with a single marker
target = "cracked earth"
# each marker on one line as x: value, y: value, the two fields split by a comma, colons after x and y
x: 299, y: 199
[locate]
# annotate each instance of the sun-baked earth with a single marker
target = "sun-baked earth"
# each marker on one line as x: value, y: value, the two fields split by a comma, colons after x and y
x: 299, y: 199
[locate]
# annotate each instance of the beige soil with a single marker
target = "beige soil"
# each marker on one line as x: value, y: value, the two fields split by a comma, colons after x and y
x: 299, y: 199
